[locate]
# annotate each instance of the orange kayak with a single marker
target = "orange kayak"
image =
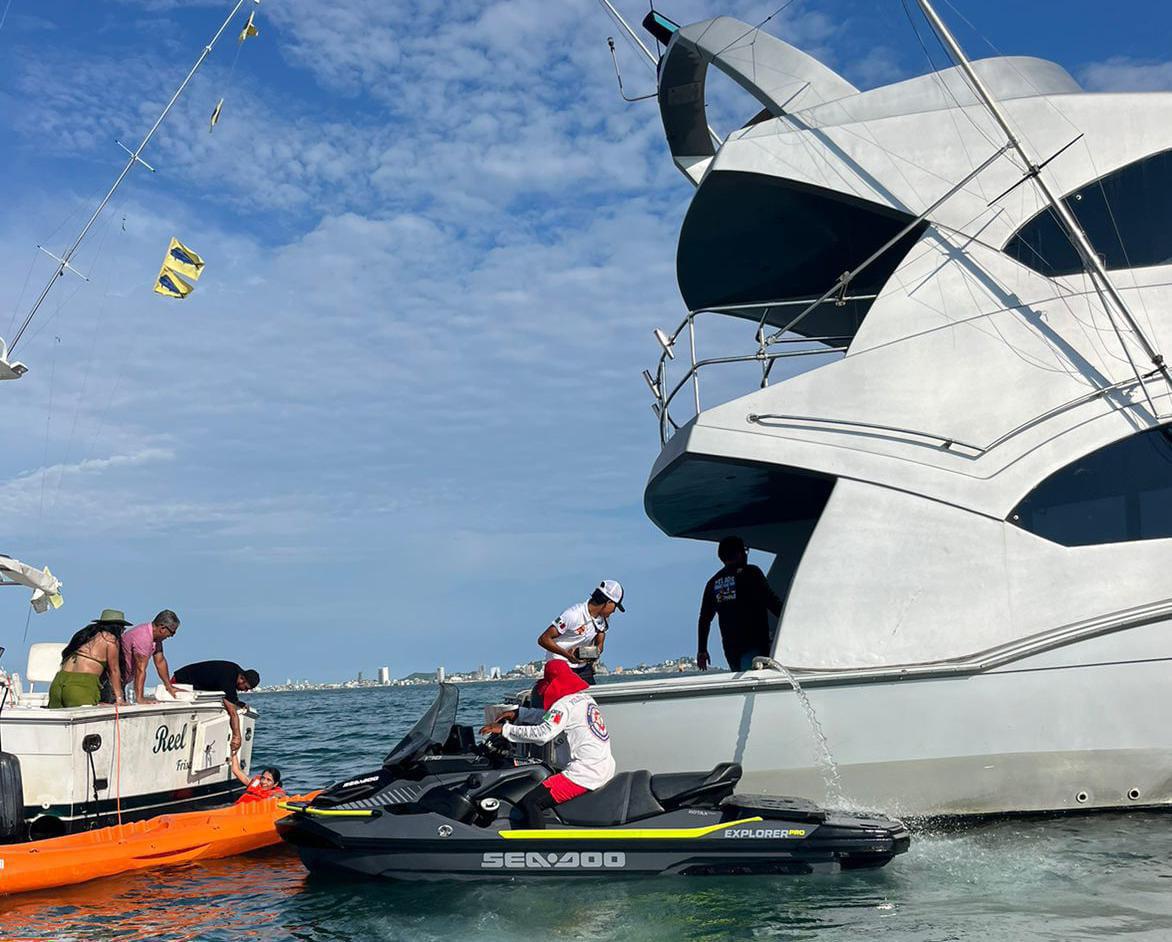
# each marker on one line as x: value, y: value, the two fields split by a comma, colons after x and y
x: 167, y: 839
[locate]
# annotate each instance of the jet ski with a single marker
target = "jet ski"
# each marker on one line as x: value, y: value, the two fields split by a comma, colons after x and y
x: 444, y: 807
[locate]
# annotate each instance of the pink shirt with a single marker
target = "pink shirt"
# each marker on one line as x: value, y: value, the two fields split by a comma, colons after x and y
x: 139, y: 640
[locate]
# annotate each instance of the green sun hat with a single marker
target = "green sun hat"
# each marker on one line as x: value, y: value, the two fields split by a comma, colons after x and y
x: 111, y: 616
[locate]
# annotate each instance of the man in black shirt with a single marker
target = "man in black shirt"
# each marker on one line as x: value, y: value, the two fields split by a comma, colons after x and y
x: 740, y: 596
x: 225, y: 677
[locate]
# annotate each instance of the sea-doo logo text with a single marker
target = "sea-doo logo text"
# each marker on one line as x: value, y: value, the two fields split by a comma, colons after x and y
x: 571, y: 860
x: 764, y: 832
x: 360, y: 781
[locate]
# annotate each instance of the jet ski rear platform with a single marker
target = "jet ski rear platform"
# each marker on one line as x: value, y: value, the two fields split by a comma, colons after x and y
x: 443, y: 808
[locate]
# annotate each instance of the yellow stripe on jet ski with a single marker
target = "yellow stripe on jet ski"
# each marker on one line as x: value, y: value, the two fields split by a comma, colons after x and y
x: 326, y: 812
x: 620, y: 833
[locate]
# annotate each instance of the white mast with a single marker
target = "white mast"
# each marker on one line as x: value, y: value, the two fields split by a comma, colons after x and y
x: 135, y: 157
x: 1092, y: 263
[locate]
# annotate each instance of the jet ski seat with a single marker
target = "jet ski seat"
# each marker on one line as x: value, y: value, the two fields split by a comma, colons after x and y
x: 626, y: 797
x: 676, y: 789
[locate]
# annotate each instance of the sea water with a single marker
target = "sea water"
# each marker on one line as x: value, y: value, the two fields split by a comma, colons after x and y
x: 1094, y: 877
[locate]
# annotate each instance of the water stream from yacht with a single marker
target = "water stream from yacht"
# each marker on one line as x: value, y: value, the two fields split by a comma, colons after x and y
x: 822, y: 754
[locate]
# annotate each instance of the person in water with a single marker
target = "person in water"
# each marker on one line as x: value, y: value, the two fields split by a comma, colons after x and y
x: 142, y: 643
x: 258, y: 787
x: 741, y: 597
x: 226, y: 678
x: 571, y: 710
x: 581, y: 625
x: 93, y: 651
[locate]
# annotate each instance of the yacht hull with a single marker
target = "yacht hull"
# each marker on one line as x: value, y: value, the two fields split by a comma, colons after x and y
x: 1070, y: 729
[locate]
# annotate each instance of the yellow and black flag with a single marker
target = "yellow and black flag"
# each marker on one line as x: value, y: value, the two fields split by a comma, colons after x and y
x: 249, y: 28
x: 216, y: 115
x: 171, y: 285
x: 183, y: 261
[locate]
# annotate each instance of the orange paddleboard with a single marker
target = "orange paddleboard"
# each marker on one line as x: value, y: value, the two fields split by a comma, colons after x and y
x: 157, y: 842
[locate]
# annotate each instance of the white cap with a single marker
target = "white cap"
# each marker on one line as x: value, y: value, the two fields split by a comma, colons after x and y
x: 613, y: 591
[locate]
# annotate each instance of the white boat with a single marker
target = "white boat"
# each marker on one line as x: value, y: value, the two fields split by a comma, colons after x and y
x: 968, y: 490
x: 63, y: 770
x: 85, y: 767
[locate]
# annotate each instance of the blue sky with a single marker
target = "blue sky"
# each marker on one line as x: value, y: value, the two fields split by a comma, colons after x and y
x: 401, y: 422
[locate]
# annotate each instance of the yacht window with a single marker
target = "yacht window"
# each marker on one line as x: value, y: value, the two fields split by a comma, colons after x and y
x: 1123, y: 213
x: 1121, y: 492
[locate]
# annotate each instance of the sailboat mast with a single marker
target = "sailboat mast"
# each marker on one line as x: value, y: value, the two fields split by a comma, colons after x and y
x: 63, y: 261
x: 1091, y: 260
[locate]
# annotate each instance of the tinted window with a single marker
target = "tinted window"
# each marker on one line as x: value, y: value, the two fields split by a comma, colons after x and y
x: 750, y: 237
x: 1125, y: 214
x: 1120, y: 492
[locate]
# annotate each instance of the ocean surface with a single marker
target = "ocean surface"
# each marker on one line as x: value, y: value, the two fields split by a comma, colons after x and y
x: 1095, y: 877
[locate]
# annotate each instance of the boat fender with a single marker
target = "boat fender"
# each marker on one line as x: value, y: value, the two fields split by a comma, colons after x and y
x: 11, y: 798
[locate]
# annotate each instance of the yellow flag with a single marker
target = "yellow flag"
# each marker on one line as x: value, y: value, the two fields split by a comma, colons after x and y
x: 171, y: 285
x: 216, y: 114
x: 181, y: 260
x: 249, y: 28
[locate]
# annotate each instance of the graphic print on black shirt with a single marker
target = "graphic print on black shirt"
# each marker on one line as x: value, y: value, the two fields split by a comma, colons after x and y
x: 741, y: 598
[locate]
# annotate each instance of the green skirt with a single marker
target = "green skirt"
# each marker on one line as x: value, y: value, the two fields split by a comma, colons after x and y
x: 74, y: 689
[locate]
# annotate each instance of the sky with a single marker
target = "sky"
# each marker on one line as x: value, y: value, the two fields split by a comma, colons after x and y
x: 401, y: 421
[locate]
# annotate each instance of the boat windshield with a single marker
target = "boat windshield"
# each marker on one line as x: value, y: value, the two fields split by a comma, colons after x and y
x: 432, y: 729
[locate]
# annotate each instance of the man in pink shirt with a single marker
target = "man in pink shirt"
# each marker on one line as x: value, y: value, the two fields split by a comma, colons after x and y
x: 140, y: 644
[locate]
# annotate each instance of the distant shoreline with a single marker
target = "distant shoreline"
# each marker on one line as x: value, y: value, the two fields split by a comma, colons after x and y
x: 524, y: 682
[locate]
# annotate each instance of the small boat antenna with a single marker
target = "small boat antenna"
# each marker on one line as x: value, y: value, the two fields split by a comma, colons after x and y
x: 618, y: 75
x: 652, y: 59
x: 135, y: 157
x: 1092, y: 263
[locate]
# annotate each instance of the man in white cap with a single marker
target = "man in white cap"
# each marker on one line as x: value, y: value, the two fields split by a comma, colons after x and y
x: 583, y: 626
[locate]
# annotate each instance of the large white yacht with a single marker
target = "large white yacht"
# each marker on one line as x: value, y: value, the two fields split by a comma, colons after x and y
x: 968, y: 488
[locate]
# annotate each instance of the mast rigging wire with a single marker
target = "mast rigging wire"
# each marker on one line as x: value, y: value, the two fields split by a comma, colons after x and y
x: 134, y: 158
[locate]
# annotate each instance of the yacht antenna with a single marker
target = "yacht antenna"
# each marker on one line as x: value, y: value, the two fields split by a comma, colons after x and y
x: 1092, y: 263
x: 626, y: 28
x: 135, y: 157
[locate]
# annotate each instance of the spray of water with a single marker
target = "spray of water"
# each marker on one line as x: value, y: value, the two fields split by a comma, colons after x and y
x: 822, y: 754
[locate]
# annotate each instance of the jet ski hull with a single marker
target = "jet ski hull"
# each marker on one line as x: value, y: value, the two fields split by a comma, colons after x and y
x: 443, y: 807
x: 686, y: 843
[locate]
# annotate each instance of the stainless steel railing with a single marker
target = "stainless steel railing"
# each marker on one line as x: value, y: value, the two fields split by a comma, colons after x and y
x: 664, y: 392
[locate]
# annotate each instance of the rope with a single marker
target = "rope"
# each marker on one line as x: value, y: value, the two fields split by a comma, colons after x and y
x: 48, y: 425
x: 5, y: 16
x: 118, y: 760
x: 755, y: 28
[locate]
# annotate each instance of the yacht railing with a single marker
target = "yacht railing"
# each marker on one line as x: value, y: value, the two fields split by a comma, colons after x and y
x: 665, y: 393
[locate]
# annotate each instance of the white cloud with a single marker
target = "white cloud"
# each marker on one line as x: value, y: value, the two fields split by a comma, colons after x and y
x: 436, y: 247
x: 1124, y: 74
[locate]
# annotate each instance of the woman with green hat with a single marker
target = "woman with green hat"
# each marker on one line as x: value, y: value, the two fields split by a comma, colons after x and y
x: 93, y: 651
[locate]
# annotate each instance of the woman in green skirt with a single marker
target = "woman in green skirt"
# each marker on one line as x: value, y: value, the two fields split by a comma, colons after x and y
x: 93, y: 651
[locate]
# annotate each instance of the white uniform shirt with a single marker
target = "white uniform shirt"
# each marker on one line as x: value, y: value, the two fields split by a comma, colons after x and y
x: 591, y: 765
x: 575, y: 626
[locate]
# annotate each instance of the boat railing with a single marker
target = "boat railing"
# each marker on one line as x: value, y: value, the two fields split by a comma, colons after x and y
x: 665, y: 392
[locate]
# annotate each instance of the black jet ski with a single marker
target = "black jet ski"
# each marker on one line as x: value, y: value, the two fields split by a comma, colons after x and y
x: 443, y: 807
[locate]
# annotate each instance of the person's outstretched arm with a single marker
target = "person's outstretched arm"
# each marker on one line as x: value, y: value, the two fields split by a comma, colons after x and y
x: 239, y: 772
